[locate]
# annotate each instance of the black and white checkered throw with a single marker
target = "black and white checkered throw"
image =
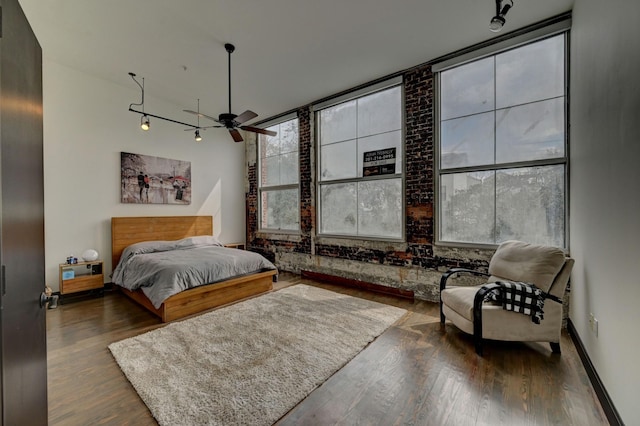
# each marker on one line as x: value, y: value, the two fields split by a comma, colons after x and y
x: 517, y: 296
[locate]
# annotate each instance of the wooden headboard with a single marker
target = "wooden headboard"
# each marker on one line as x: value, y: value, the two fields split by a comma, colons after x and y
x: 129, y: 230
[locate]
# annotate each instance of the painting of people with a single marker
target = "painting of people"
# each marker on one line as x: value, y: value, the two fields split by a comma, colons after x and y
x: 154, y: 180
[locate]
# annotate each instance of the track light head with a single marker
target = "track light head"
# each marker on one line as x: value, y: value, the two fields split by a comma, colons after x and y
x: 496, y: 24
x: 198, y: 137
x: 144, y: 123
x: 498, y: 21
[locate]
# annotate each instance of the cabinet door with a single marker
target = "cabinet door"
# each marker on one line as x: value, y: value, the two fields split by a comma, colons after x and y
x: 22, y: 321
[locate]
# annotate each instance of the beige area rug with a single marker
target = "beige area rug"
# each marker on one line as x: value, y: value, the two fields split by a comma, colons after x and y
x: 249, y: 363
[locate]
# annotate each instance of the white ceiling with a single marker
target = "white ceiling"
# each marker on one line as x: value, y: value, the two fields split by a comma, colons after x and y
x: 288, y: 52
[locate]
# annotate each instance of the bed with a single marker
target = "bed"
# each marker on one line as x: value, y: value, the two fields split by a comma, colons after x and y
x: 128, y: 231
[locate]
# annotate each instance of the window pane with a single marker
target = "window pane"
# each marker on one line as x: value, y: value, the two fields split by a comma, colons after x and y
x: 467, y: 89
x: 530, y: 73
x: 338, y: 161
x: 271, y: 144
x: 339, y: 209
x: 467, y: 207
x: 380, y: 208
x: 271, y: 171
x: 338, y: 123
x: 467, y: 141
x: 288, y: 133
x: 279, y: 155
x: 280, y: 209
x: 530, y: 205
x: 530, y: 132
x: 289, y: 168
x: 385, y: 140
x: 380, y: 112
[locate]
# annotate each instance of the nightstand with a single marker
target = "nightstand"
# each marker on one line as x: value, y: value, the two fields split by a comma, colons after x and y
x: 81, y: 276
x: 239, y: 246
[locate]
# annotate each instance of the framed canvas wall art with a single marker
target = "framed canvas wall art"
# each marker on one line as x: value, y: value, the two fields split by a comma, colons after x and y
x: 154, y: 180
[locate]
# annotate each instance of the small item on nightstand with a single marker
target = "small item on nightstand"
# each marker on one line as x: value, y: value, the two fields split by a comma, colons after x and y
x: 90, y: 255
x: 72, y: 260
x: 68, y: 274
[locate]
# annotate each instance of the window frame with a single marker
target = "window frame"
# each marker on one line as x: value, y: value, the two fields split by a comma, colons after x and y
x: 281, y: 187
x: 538, y: 35
x: 354, y: 95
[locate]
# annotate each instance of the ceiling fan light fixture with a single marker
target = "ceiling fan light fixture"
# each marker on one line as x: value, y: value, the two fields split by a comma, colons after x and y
x: 145, y: 123
x: 198, y: 137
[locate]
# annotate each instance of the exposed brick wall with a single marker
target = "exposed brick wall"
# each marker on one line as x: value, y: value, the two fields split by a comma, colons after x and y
x: 252, y: 202
x: 419, y: 181
x: 307, y: 204
x: 415, y: 264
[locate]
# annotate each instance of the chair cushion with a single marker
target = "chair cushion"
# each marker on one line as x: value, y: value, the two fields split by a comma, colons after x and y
x: 460, y: 299
x: 530, y: 263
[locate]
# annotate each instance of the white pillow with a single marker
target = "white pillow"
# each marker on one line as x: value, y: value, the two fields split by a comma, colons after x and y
x: 198, y: 241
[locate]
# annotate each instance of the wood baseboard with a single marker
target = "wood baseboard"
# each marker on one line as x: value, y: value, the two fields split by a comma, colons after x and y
x: 407, y: 294
x: 603, y: 396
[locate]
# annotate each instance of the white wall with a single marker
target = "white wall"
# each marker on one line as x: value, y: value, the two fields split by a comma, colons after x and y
x: 605, y: 192
x: 86, y: 126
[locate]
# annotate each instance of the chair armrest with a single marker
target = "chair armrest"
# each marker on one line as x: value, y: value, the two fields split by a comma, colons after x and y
x: 478, y: 300
x: 453, y: 271
x: 445, y: 277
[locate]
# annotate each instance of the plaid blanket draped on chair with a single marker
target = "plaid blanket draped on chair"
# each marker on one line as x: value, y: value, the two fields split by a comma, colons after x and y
x: 517, y: 296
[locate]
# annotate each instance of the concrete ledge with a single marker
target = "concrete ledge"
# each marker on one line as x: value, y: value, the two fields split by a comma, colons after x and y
x: 424, y: 283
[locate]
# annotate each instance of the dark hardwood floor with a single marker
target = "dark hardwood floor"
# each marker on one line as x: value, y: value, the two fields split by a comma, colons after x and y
x: 415, y: 373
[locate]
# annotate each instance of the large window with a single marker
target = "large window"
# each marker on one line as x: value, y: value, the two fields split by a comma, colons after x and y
x: 502, y: 150
x: 279, y: 190
x: 360, y: 166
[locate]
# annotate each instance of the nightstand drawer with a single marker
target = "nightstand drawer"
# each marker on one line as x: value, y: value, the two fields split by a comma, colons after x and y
x: 81, y: 283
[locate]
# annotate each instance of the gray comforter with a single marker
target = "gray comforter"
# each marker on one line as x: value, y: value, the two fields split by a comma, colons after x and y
x: 164, y: 268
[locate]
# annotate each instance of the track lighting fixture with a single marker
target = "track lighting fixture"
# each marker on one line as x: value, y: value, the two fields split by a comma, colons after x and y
x: 144, y: 122
x: 198, y: 137
x: 498, y: 21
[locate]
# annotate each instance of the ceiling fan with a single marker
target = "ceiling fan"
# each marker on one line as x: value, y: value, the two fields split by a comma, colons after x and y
x: 230, y: 120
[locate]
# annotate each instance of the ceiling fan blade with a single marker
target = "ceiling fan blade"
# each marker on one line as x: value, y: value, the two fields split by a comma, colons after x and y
x: 259, y: 130
x: 199, y: 114
x: 237, y: 137
x: 245, y: 116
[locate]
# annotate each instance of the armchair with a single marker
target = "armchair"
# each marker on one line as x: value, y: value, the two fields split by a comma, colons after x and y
x: 546, y: 267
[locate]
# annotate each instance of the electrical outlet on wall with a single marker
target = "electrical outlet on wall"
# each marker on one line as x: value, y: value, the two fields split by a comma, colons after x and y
x: 593, y: 324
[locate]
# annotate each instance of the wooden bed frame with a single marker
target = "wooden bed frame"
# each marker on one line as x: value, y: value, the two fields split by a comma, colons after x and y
x: 129, y: 230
